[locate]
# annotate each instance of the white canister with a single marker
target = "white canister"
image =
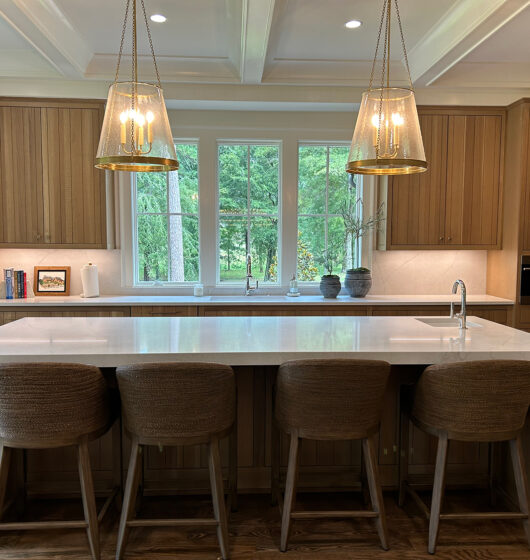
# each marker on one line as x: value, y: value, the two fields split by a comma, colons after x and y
x: 89, y: 279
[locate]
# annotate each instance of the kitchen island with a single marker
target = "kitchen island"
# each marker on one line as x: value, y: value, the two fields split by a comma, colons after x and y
x: 255, y: 346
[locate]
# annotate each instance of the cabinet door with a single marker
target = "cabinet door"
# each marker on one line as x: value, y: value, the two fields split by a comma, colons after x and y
x: 21, y: 202
x: 526, y: 179
x: 416, y: 202
x: 473, y: 181
x: 74, y: 190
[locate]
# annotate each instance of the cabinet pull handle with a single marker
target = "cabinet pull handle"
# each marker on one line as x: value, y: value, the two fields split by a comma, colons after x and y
x: 449, y: 238
x: 441, y: 238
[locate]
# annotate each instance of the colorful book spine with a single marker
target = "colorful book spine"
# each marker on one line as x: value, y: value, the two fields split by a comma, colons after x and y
x: 20, y: 283
x: 16, y: 283
x: 8, y: 274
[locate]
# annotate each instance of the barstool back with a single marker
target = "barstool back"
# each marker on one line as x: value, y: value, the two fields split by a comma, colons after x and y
x: 46, y: 405
x: 174, y: 403
x: 331, y: 399
x: 474, y: 401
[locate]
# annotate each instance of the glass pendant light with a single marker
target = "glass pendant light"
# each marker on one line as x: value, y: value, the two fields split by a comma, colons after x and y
x: 387, y: 136
x: 136, y: 135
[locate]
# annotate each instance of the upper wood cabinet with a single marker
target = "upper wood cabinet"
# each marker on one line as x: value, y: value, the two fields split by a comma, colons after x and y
x: 456, y: 202
x: 51, y: 195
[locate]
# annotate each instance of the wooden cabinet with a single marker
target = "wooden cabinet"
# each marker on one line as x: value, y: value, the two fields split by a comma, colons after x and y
x: 456, y: 203
x: 525, y: 176
x: 7, y: 315
x: 21, y: 188
x: 164, y: 311
x: 51, y: 195
x: 416, y: 203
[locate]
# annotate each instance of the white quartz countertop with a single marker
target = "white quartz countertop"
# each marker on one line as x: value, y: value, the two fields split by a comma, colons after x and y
x: 254, y: 340
x: 133, y: 300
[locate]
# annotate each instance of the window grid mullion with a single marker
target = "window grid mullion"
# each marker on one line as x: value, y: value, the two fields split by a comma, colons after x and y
x: 248, y: 199
x: 326, y: 203
x: 168, y: 229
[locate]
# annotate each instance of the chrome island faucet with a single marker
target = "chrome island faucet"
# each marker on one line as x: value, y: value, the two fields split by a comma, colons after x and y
x: 462, y: 316
x: 249, y: 290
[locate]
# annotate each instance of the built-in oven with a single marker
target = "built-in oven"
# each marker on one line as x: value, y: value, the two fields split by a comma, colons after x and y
x: 525, y: 280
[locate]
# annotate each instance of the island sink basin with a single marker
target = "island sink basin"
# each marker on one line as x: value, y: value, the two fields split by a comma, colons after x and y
x: 445, y: 322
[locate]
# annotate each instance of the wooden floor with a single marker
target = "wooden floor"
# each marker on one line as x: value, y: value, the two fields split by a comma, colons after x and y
x: 254, y: 531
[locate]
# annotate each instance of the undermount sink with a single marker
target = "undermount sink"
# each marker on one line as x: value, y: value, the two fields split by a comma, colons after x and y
x: 445, y: 322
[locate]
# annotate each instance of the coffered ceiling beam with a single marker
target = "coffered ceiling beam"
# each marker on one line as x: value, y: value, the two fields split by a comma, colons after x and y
x: 256, y: 24
x: 463, y: 28
x: 45, y: 27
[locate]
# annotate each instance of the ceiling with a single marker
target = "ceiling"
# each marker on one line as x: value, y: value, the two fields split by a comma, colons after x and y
x: 268, y: 54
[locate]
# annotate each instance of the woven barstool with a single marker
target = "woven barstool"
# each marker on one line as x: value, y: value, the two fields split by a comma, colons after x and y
x: 481, y: 401
x: 44, y: 406
x: 330, y: 400
x: 167, y: 404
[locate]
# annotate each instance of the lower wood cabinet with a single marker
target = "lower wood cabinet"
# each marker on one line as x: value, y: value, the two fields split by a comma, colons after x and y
x: 281, y: 310
x: 164, y: 311
x: 14, y: 314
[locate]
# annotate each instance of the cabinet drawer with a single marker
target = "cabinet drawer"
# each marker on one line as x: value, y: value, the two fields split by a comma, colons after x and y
x: 164, y: 311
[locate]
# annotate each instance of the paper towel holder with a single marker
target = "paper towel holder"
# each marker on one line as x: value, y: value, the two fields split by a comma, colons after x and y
x: 89, y: 280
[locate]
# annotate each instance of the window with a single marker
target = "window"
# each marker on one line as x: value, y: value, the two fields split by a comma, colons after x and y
x: 248, y: 183
x: 325, y: 193
x: 166, y: 219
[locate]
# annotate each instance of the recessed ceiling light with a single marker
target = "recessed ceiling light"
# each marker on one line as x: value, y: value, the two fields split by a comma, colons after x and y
x: 159, y: 18
x: 353, y: 24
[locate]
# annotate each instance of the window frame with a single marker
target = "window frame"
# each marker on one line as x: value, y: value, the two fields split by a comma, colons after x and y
x: 247, y: 142
x: 136, y: 282
x: 361, y: 257
x: 208, y: 136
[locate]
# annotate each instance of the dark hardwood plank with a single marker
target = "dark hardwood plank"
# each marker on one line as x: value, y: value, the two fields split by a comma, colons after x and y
x: 255, y: 532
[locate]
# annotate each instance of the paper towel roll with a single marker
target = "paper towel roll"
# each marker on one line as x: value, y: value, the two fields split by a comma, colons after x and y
x: 89, y: 279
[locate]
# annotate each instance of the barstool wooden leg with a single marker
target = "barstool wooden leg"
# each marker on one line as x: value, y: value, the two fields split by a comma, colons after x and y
x: 129, y: 498
x: 89, y: 498
x: 290, y: 490
x: 404, y: 429
x: 232, y: 468
x: 275, y: 463
x: 117, y: 461
x: 521, y: 483
x: 5, y: 460
x: 376, y: 493
x: 365, y: 491
x: 438, y: 491
x: 216, y: 482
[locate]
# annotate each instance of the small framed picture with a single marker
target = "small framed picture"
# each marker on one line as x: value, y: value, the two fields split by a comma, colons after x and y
x: 51, y: 281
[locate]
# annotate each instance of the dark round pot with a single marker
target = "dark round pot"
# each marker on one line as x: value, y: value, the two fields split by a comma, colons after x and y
x: 358, y: 282
x: 330, y: 286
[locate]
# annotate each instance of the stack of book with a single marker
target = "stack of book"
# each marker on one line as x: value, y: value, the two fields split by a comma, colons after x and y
x: 16, y: 283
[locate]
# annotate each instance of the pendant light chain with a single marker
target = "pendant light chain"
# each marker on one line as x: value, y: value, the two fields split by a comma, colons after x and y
x: 134, y: 71
x: 403, y: 45
x: 374, y: 62
x: 385, y: 67
x: 124, y: 28
x: 151, y: 45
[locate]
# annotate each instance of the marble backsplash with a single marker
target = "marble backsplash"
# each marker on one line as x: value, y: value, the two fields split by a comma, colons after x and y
x: 394, y: 272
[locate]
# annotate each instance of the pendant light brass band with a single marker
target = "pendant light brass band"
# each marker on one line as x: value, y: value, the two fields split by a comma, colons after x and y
x: 140, y: 164
x: 386, y: 166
